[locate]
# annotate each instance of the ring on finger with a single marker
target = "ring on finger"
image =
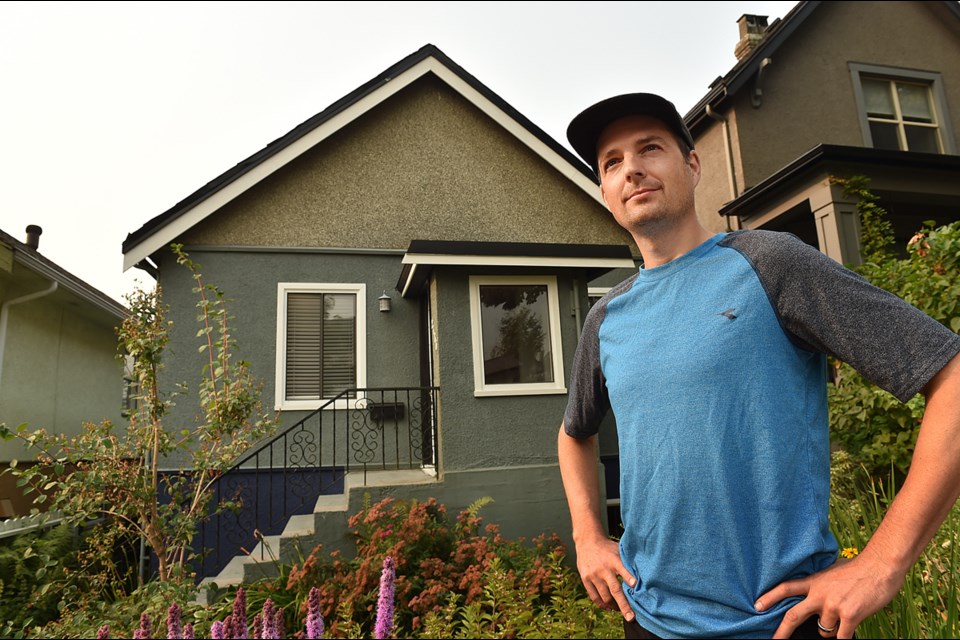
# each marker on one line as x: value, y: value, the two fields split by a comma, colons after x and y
x: 826, y: 629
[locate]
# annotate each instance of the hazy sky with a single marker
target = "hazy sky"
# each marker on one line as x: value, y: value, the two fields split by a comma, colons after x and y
x: 112, y: 112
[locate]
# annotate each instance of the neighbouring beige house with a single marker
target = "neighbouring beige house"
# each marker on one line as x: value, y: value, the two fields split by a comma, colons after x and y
x: 834, y: 89
x: 58, y: 347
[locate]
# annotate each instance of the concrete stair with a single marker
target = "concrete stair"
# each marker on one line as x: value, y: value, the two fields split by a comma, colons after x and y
x: 327, y: 525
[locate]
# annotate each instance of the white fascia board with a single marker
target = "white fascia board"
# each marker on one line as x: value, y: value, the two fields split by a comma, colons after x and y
x: 166, y: 234
x: 515, y: 261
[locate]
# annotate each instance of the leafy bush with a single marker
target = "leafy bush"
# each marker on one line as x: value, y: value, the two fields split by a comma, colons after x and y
x: 457, y: 578
x: 875, y: 428
x: 30, y: 564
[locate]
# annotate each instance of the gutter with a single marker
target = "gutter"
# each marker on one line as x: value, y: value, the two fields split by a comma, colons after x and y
x: 5, y: 312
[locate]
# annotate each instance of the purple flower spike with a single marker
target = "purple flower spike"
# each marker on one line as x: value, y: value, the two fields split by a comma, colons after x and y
x: 143, y: 631
x: 240, y: 615
x: 228, y: 633
x: 269, y: 621
x: 103, y: 632
x: 188, y: 631
x: 385, y: 603
x: 216, y: 631
x: 174, y: 630
x: 314, y: 617
x: 258, y: 626
x: 278, y: 624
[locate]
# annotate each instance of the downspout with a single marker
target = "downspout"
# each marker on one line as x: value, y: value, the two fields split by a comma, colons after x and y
x: 5, y: 312
x: 575, y: 304
x: 728, y: 147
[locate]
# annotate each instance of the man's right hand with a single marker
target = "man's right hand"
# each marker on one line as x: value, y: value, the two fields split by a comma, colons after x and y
x: 601, y: 571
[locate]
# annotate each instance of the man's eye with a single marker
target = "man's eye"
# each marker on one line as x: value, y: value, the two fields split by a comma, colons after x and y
x: 609, y: 163
x: 651, y: 147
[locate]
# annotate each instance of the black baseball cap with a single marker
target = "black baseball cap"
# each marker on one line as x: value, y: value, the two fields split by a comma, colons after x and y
x: 585, y: 129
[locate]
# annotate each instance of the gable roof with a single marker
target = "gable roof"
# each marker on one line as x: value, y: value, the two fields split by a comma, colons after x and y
x: 164, y: 228
x: 745, y: 73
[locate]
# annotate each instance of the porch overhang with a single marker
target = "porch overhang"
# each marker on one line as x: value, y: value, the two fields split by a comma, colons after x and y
x: 423, y: 255
x: 911, y: 187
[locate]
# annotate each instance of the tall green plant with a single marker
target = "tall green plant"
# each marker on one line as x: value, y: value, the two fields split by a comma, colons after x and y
x: 872, y: 425
x: 113, y: 473
x: 927, y: 604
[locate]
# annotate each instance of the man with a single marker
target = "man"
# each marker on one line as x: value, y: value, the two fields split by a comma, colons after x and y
x: 713, y: 360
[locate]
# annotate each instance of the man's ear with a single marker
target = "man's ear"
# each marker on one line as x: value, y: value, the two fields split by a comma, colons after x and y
x: 693, y: 161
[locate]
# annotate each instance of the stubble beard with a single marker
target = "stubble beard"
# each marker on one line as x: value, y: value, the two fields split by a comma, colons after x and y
x: 658, y: 220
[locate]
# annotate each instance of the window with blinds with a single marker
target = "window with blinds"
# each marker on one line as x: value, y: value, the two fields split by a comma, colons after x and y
x: 319, y: 343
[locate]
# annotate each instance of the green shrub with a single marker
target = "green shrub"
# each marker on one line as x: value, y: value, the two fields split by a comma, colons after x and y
x: 875, y: 428
x: 454, y: 578
x: 30, y: 564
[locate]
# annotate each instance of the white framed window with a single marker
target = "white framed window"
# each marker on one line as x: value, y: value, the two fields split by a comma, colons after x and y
x: 595, y: 293
x: 321, y: 342
x: 901, y: 109
x: 515, y: 323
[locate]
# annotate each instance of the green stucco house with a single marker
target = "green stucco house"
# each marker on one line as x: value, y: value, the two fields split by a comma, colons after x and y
x: 408, y: 271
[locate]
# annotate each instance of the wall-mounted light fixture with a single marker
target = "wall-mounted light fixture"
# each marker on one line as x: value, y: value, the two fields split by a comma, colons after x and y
x: 384, y: 302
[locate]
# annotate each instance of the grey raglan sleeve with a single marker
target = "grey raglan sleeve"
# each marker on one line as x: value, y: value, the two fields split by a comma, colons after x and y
x: 587, y: 400
x: 826, y: 307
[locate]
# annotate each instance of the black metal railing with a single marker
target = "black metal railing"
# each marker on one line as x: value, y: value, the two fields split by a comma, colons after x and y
x: 359, y: 430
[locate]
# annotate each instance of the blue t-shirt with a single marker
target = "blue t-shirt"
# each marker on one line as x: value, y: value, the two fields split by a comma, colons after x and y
x: 714, y: 365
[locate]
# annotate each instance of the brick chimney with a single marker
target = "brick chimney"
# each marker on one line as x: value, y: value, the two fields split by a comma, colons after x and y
x: 33, y: 236
x: 751, y: 33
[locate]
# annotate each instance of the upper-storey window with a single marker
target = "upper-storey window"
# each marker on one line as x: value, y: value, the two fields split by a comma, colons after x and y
x: 902, y: 110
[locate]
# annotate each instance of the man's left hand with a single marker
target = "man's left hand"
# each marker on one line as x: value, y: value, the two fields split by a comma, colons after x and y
x: 842, y: 596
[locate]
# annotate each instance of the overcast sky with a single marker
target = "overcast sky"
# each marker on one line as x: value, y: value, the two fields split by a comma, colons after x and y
x: 112, y: 112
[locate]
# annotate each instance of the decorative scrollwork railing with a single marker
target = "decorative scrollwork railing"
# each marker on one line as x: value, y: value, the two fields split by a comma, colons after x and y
x: 360, y: 429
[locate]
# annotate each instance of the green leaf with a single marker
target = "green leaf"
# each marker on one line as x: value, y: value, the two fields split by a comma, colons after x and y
x: 955, y: 324
x: 13, y: 463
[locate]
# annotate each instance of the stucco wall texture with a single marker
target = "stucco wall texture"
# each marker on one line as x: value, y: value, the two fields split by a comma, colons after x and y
x: 59, y: 371
x: 425, y: 164
x: 808, y: 91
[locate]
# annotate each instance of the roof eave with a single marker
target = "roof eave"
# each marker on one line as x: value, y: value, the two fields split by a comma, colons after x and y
x: 46, y: 268
x: 827, y: 155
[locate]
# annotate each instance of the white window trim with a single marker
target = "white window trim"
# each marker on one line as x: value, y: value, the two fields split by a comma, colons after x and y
x: 944, y: 129
x: 283, y: 288
x: 481, y: 389
x: 597, y: 292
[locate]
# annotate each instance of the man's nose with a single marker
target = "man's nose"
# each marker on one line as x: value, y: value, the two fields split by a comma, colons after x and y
x: 634, y: 165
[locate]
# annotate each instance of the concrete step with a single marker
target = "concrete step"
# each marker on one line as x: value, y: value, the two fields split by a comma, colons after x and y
x: 330, y: 512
